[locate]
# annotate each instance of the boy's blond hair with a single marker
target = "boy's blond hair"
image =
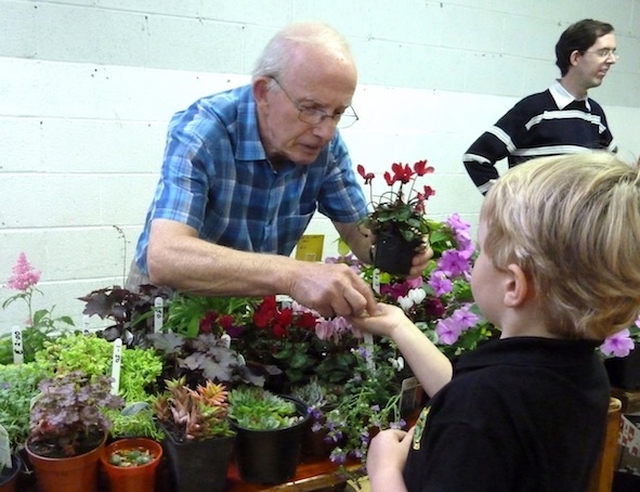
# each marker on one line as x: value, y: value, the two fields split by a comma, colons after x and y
x: 572, y: 223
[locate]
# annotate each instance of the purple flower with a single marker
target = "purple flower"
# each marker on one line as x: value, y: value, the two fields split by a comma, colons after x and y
x: 618, y: 345
x: 448, y: 331
x: 464, y: 317
x: 439, y: 282
x: 24, y: 275
x: 453, y: 263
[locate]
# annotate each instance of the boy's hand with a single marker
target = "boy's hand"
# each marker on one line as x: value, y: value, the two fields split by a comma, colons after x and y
x: 383, y: 322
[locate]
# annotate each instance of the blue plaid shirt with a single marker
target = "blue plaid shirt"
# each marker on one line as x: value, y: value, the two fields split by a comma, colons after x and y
x: 216, y: 179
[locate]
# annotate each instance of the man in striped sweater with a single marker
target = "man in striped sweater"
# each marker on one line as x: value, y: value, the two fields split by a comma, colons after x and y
x: 560, y: 120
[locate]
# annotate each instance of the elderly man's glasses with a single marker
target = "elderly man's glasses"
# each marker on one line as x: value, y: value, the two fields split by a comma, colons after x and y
x: 315, y: 116
x: 605, y: 53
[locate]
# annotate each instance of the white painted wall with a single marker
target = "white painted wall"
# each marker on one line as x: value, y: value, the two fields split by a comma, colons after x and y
x: 87, y: 88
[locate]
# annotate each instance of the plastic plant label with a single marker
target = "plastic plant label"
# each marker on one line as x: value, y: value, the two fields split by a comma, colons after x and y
x: 16, y: 339
x: 158, y: 314
x: 116, y: 362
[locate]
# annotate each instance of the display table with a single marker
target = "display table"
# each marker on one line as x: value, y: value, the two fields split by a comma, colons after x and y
x: 312, y: 474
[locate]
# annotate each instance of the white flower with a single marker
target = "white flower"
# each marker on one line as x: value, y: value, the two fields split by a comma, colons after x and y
x: 397, y: 364
x: 417, y: 295
x: 405, y: 303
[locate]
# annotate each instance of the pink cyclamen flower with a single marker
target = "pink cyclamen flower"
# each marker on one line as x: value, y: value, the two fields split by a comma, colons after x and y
x: 618, y: 345
x: 335, y: 329
x: 24, y: 275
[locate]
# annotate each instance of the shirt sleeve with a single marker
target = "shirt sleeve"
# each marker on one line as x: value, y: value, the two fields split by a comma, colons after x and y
x: 341, y: 198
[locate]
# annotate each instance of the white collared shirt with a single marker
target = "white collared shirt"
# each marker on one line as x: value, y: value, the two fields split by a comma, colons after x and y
x: 563, y: 97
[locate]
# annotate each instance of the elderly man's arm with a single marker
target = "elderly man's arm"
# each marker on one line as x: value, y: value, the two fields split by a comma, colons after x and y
x: 178, y: 258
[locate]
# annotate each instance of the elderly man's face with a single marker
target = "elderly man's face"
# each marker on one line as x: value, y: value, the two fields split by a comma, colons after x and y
x: 319, y: 82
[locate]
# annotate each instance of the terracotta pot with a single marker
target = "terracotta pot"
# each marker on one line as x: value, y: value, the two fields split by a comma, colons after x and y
x: 74, y: 474
x: 133, y: 478
x: 9, y: 476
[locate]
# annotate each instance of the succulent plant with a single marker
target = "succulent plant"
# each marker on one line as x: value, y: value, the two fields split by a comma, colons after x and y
x: 256, y: 408
x: 193, y: 414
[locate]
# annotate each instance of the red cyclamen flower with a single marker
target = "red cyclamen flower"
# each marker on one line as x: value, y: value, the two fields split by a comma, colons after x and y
x: 367, y: 176
x: 24, y: 275
x: 421, y: 168
x: 402, y: 173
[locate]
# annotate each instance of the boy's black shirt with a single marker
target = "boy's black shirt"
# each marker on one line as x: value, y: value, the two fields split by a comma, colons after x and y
x: 521, y: 414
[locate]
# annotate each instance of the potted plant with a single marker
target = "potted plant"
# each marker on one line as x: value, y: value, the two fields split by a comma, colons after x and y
x: 40, y: 325
x: 398, y: 219
x: 320, y: 399
x: 68, y: 429
x: 130, y: 464
x: 441, y: 303
x: 10, y: 464
x: 140, y: 368
x: 269, y: 434
x: 131, y: 312
x: 199, y: 439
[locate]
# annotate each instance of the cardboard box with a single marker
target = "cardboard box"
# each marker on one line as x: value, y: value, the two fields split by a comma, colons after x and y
x: 629, y: 442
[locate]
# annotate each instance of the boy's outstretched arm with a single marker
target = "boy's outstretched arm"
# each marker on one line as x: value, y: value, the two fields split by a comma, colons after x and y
x: 430, y: 366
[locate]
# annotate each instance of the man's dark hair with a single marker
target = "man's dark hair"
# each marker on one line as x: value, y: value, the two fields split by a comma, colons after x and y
x: 579, y: 36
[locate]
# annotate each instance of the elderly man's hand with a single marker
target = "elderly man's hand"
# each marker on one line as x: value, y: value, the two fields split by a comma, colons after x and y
x: 420, y: 261
x: 332, y: 290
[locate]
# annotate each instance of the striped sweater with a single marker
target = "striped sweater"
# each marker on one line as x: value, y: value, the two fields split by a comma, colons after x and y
x: 538, y: 126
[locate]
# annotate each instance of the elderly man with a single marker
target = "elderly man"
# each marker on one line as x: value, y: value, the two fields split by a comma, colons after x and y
x: 245, y: 170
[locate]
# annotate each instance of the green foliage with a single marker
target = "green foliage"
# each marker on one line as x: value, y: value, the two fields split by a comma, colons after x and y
x: 368, y: 402
x: 259, y: 409
x: 139, y: 424
x: 187, y: 312
x: 18, y: 386
x: 140, y: 368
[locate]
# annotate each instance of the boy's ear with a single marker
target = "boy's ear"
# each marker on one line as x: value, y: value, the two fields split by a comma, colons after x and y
x: 517, y: 288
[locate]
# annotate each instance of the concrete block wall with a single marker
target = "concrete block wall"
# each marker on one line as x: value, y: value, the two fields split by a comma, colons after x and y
x: 87, y: 88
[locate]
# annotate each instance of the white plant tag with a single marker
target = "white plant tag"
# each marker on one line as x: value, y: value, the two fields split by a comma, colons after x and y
x: 368, y: 345
x: 375, y: 281
x: 18, y: 349
x: 116, y: 362
x: 158, y: 314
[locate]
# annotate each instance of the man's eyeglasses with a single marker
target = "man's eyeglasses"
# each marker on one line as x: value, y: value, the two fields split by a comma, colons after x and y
x: 605, y: 53
x: 315, y: 116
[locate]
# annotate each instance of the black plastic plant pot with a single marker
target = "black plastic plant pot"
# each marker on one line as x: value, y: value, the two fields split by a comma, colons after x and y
x: 199, y: 465
x: 393, y: 253
x: 9, y: 476
x: 270, y: 456
x: 624, y: 372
